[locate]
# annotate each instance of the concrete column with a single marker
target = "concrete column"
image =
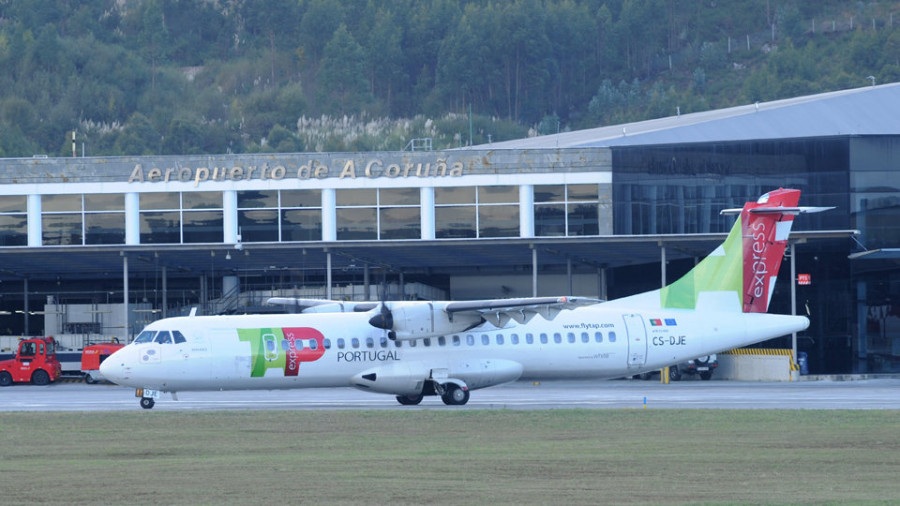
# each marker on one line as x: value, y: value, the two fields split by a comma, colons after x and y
x: 534, y: 268
x: 132, y: 219
x: 35, y: 238
x: 526, y: 210
x: 229, y: 217
x: 329, y: 215
x: 125, y: 309
x: 426, y: 198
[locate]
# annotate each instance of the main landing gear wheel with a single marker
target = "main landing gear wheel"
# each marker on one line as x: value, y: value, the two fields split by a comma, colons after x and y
x: 410, y: 400
x: 147, y: 403
x: 454, y: 395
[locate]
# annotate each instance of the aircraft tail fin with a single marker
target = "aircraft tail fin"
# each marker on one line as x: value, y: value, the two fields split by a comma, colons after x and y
x: 740, y: 274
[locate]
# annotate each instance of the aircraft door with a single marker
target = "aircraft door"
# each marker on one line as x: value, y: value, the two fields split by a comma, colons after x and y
x: 637, y: 340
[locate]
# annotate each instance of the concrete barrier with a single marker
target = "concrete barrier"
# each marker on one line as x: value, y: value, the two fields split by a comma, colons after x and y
x: 757, y: 364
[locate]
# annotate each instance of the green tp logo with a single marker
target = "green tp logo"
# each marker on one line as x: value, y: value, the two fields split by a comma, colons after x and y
x: 282, y: 348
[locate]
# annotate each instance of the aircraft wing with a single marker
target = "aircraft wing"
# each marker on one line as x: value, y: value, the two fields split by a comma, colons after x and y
x: 499, y: 311
x: 320, y: 305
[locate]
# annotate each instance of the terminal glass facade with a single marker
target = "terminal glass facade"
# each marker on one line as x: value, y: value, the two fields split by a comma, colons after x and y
x: 13, y: 220
x: 82, y: 219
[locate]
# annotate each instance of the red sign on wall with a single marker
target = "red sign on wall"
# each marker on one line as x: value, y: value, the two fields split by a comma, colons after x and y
x: 804, y: 279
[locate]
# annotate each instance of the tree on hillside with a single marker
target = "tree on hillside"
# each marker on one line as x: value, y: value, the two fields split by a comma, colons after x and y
x: 342, y: 83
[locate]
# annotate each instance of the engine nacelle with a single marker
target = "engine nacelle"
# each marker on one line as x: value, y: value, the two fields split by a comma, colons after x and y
x: 398, y: 378
x: 415, y: 320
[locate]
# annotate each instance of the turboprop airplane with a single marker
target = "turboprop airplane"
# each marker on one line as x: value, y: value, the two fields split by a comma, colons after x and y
x: 412, y: 349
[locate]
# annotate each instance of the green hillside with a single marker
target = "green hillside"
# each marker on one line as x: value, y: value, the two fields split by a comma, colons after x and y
x: 214, y: 76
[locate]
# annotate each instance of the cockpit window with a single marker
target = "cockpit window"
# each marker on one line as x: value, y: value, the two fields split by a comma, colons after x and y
x: 163, y: 337
x: 179, y: 337
x: 145, y: 336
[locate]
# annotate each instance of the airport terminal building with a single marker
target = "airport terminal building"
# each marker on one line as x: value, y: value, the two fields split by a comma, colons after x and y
x: 102, y: 246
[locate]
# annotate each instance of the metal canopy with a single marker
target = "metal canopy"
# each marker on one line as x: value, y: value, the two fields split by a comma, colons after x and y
x: 415, y: 256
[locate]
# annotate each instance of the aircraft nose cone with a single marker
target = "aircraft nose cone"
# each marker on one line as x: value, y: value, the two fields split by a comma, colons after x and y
x: 114, y: 368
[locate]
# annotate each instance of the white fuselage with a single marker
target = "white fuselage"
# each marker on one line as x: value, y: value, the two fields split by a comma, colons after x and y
x: 338, y: 349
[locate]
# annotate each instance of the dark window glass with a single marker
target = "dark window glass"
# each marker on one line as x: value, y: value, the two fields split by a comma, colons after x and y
x: 498, y: 194
x: 202, y: 226
x: 582, y: 192
x: 550, y: 220
x: 60, y: 203
x: 301, y: 225
x: 258, y: 226
x: 498, y: 221
x: 257, y: 199
x: 398, y: 197
x: 201, y: 200
x: 550, y: 193
x: 13, y: 204
x: 400, y: 223
x: 362, y: 197
x: 104, y: 228
x: 161, y: 227
x: 160, y: 201
x: 454, y: 222
x: 104, y: 202
x: 458, y: 195
x: 355, y: 224
x: 13, y: 230
x: 583, y: 219
x: 61, y: 229
x: 301, y: 198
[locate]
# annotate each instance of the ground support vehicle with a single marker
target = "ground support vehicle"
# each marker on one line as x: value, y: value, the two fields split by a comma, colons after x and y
x: 93, y: 356
x: 35, y: 362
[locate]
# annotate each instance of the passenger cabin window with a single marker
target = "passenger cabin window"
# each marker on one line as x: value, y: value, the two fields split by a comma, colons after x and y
x: 326, y: 343
x: 485, y: 339
x: 557, y: 338
x: 514, y: 338
x: 570, y: 337
x: 370, y: 343
x: 354, y: 342
x: 340, y: 343
x: 598, y: 336
x: 529, y: 338
x: 383, y: 341
x: 585, y: 337
x: 442, y: 341
x: 455, y: 340
x: 612, y: 337
x: 543, y: 338
x: 470, y: 339
x: 499, y: 338
x: 426, y: 341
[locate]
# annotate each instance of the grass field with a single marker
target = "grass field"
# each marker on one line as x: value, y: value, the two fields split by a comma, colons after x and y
x: 451, y: 457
